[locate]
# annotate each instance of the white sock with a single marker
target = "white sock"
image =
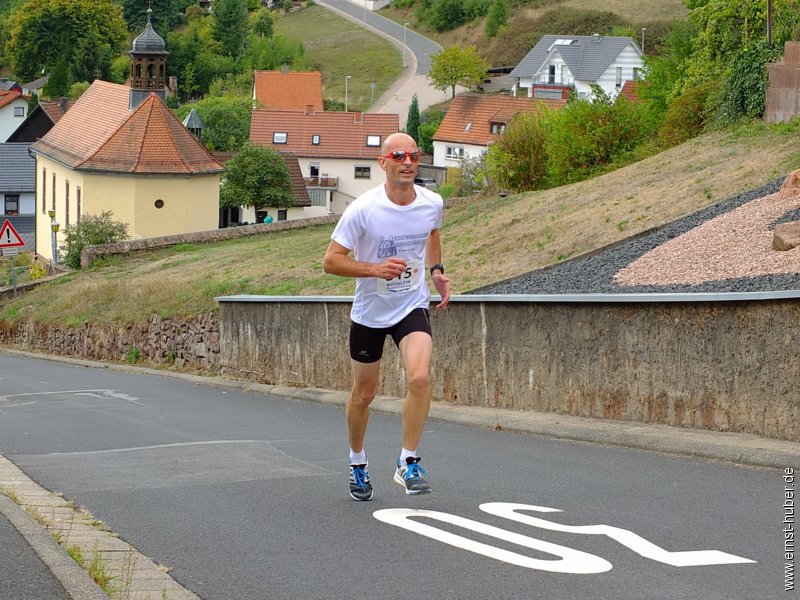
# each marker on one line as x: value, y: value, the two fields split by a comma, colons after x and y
x: 405, y: 453
x: 358, y: 458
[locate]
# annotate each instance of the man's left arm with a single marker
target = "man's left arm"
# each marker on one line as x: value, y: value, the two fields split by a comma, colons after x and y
x: 433, y: 253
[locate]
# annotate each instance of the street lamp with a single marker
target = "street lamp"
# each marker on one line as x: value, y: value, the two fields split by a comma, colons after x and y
x: 643, y: 30
x: 372, y: 85
x: 54, y: 227
x: 346, y: 79
x: 405, y: 26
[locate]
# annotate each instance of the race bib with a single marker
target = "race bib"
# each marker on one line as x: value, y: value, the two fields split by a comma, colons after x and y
x: 407, y: 281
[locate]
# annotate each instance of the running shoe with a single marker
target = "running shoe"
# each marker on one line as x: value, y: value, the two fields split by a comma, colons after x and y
x: 360, y: 486
x: 412, y: 476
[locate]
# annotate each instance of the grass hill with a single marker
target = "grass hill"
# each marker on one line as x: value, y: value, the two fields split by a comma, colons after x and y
x: 528, y: 22
x: 486, y: 239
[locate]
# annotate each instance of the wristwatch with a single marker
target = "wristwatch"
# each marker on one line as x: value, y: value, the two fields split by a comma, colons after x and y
x: 437, y: 266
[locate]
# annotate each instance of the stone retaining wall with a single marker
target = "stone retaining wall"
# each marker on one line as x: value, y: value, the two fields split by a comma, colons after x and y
x: 191, y: 344
x: 92, y: 253
x: 716, y: 365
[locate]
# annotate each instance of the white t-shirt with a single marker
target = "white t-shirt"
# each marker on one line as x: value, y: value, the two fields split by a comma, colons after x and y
x: 375, y: 228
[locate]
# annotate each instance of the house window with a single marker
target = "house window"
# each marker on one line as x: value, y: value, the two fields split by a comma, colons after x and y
x: 315, y: 139
x: 454, y: 152
x: 44, y: 190
x: 551, y: 75
x: 12, y: 204
x: 551, y: 94
x: 619, y: 76
x: 279, y: 137
x: 313, y: 170
x: 498, y: 128
x: 78, y: 193
x: 636, y: 72
x: 362, y: 172
x: 19, y: 111
x: 373, y: 141
x: 281, y: 214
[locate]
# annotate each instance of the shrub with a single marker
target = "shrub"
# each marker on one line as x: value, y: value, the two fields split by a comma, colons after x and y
x: 92, y: 230
x: 687, y: 115
x: 518, y: 161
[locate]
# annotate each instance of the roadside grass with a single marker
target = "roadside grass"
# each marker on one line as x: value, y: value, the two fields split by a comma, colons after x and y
x: 485, y: 239
x: 338, y: 48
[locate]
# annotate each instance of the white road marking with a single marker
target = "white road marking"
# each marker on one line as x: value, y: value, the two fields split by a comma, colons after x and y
x: 570, y: 560
x: 105, y: 393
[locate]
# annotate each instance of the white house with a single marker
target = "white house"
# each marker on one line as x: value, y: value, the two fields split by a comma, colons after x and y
x: 559, y: 64
x: 337, y: 151
x: 13, y: 110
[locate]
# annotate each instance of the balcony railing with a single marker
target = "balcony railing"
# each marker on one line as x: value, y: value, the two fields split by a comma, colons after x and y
x: 328, y: 183
x: 554, y: 82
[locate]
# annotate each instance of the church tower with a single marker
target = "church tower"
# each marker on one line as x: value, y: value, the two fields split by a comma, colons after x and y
x: 148, y: 65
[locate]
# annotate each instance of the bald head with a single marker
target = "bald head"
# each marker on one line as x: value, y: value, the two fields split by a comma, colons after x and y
x: 398, y: 141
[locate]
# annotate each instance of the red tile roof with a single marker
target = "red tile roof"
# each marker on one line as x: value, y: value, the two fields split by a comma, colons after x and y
x: 341, y: 135
x: 100, y: 133
x: 469, y: 118
x: 56, y: 109
x: 630, y: 89
x: 288, y: 91
x: 8, y: 96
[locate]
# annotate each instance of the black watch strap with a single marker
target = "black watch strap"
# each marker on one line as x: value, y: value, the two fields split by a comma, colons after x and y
x: 437, y: 266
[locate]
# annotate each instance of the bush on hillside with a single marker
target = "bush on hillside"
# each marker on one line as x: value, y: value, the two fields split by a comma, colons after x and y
x: 745, y: 92
x: 589, y: 134
x: 91, y: 231
x: 687, y: 115
x: 518, y: 160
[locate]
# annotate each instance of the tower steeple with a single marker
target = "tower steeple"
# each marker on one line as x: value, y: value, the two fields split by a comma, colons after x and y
x: 148, y: 65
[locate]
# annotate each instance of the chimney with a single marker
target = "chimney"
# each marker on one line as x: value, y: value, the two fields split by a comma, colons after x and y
x: 173, y: 82
x: 309, y: 109
x: 358, y: 117
x: 285, y: 69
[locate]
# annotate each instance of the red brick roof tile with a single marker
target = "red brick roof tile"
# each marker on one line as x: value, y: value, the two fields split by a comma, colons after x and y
x: 8, y: 96
x: 341, y: 135
x: 630, y: 89
x: 288, y: 91
x: 100, y: 133
x: 469, y: 118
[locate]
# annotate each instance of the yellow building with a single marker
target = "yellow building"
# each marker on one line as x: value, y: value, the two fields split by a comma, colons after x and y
x: 120, y: 149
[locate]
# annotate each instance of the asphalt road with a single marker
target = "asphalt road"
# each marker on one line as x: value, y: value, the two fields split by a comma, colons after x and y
x: 245, y: 497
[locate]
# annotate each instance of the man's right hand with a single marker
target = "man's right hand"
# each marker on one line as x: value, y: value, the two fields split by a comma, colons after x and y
x: 392, y: 267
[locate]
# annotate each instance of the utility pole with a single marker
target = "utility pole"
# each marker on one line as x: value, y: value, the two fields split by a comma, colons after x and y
x: 769, y: 23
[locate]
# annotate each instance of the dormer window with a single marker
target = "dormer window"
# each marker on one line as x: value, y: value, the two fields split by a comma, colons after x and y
x: 279, y: 137
x: 373, y: 141
x: 468, y: 127
x: 498, y: 128
x: 315, y: 139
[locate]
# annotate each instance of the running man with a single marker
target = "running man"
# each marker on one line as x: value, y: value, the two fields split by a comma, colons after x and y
x: 392, y: 232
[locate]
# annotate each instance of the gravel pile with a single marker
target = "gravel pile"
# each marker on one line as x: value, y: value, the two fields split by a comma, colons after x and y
x: 595, y: 274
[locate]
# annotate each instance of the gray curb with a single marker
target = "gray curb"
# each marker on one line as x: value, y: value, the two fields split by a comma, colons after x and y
x: 737, y: 448
x: 75, y: 581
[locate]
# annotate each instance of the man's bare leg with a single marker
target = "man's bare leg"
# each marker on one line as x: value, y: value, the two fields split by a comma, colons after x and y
x: 365, y: 383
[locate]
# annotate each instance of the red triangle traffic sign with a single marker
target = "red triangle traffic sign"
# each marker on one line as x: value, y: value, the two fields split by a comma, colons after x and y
x: 9, y: 238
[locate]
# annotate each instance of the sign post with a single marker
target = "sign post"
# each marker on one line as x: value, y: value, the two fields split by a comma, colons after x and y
x: 10, y: 243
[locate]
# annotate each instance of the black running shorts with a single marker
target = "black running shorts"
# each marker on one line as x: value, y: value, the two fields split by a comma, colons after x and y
x: 366, y: 343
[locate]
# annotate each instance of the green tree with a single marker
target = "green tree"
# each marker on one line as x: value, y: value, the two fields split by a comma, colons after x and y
x: 33, y: 102
x: 257, y: 176
x: 76, y: 90
x: 226, y: 120
x: 87, y: 34
x: 412, y: 124
x: 230, y: 26
x: 457, y: 66
x: 497, y: 17
x: 59, y: 82
x: 518, y: 159
x: 262, y: 23
x: 745, y: 92
x: 430, y: 121
x: 166, y: 14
